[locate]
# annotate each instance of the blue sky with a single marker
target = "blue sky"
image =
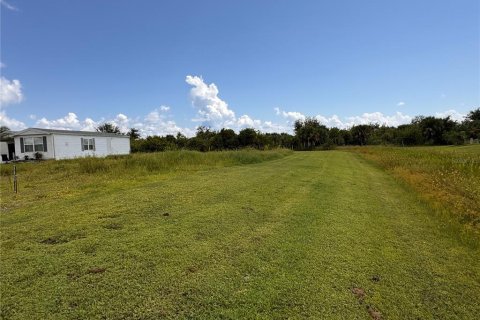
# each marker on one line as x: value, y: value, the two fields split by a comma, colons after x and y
x: 74, y: 64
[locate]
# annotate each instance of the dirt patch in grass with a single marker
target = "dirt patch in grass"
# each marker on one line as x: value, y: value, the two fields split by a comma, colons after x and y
x: 113, y: 226
x: 248, y: 209
x: 166, y: 214
x: 192, y: 269
x: 374, y: 313
x: 375, y: 278
x: 359, y: 293
x: 61, y: 238
x: 54, y: 240
x: 96, y: 270
x: 110, y: 216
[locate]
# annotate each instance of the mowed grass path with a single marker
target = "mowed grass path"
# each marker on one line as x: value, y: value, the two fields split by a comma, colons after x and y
x: 288, y: 238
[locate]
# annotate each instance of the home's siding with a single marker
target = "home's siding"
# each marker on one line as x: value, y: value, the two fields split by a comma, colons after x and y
x: 3, y: 147
x: 69, y: 146
x: 119, y: 145
x: 64, y: 146
x: 45, y: 155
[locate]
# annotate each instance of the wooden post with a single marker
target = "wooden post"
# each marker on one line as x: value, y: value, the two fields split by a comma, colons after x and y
x: 15, y: 189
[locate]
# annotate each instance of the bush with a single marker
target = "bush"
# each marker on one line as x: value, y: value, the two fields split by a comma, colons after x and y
x: 329, y: 146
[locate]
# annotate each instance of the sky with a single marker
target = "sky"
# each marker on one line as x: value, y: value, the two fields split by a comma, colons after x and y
x: 170, y: 66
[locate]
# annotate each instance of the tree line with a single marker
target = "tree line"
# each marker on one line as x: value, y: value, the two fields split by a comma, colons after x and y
x: 310, y: 134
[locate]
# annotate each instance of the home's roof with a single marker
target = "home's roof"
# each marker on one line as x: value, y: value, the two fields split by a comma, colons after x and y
x: 32, y: 131
x: 7, y: 136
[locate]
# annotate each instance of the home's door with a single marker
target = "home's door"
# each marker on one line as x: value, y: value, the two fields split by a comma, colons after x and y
x: 11, y: 150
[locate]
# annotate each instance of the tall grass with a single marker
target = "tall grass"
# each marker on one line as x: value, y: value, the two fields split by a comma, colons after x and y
x: 448, y: 177
x: 147, y: 162
x: 175, y: 160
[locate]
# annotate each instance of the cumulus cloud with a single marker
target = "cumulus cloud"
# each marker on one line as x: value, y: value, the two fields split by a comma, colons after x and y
x: 400, y: 104
x: 291, y: 116
x: 68, y: 122
x: 335, y: 121
x: 10, y: 91
x: 453, y: 114
x: 154, y: 123
x: 214, y: 112
x: 11, y: 123
x: 157, y: 123
x: 246, y: 122
x: 211, y: 109
x: 396, y: 119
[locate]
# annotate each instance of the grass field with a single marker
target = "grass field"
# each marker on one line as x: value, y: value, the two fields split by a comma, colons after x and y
x: 278, y: 235
x: 446, y: 177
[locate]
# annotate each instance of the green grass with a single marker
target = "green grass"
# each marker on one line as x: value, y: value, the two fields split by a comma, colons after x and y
x: 285, y: 238
x: 447, y: 177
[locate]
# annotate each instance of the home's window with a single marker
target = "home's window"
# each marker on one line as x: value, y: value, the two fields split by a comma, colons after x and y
x: 88, y: 144
x: 28, y: 143
x: 38, y: 144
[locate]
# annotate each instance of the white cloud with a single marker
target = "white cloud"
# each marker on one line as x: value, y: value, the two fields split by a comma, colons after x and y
x: 212, y: 110
x: 400, y: 104
x: 291, y: 116
x: 13, y: 124
x: 10, y: 91
x: 246, y: 122
x: 377, y: 117
x: 164, y: 108
x: 69, y: 122
x: 335, y: 121
x: 453, y: 114
x: 154, y: 123
x: 7, y: 5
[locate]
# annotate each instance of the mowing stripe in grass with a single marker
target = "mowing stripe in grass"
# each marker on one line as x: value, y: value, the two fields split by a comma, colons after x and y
x: 289, y: 238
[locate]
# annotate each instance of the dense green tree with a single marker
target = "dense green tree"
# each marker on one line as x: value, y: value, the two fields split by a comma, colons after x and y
x: 5, y: 134
x: 472, y: 124
x: 134, y: 134
x: 361, y: 133
x: 310, y: 133
x: 108, y: 128
x: 408, y: 135
x: 247, y: 137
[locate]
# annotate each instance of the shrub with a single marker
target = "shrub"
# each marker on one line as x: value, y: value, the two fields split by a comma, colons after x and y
x: 329, y: 145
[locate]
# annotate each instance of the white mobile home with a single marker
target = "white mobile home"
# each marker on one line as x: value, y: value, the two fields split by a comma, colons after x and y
x: 66, y: 144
